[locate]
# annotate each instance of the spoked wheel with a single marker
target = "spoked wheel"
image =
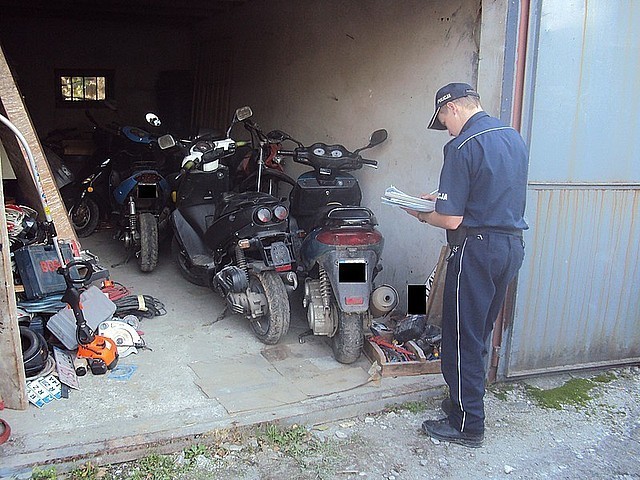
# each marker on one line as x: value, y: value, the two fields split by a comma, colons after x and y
x: 181, y: 262
x: 148, y: 258
x: 348, y: 341
x: 270, y: 327
x: 85, y: 217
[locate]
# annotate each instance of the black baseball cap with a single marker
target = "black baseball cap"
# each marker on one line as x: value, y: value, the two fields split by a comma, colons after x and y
x: 446, y: 94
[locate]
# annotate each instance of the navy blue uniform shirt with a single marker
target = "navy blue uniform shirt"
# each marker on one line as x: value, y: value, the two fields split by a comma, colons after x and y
x: 484, y: 176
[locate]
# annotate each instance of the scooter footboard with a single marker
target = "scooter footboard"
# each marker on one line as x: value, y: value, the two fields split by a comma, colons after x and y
x: 351, y: 277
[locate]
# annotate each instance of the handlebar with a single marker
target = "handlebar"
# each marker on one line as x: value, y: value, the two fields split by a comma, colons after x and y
x: 322, y: 156
x: 65, y: 271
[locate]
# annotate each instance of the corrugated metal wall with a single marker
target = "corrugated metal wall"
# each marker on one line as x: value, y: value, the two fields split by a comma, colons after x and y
x: 578, y: 292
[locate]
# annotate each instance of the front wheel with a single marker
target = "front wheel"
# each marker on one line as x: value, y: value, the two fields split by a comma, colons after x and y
x: 348, y: 341
x: 148, y: 258
x: 85, y: 217
x: 274, y: 324
x: 181, y: 262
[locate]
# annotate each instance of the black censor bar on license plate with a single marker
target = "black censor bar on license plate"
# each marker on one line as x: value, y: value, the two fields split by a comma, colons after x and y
x: 352, y: 272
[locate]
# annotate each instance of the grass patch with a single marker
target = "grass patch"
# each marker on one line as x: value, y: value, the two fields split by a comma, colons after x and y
x: 290, y: 440
x: 501, y: 390
x: 194, y: 451
x: 606, y: 377
x: 311, y: 454
x: 156, y: 467
x: 411, y: 407
x: 575, y: 392
x: 48, y: 473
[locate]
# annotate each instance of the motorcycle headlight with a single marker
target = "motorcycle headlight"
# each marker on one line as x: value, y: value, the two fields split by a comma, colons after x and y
x: 264, y: 215
x: 281, y: 212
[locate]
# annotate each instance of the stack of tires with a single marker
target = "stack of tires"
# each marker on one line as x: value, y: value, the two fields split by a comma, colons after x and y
x: 34, y: 351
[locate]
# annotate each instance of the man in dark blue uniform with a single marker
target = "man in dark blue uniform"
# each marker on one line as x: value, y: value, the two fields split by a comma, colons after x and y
x: 480, y: 202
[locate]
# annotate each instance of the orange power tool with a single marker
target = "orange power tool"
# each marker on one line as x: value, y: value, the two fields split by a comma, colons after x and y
x: 90, y: 346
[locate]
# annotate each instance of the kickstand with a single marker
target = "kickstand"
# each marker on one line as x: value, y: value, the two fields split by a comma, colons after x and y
x: 304, y: 334
x: 220, y: 317
x: 125, y: 261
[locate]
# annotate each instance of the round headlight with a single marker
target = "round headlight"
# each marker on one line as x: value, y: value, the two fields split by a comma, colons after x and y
x: 264, y: 215
x: 280, y: 212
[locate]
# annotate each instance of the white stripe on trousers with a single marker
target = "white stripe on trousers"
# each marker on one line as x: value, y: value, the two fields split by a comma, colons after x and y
x: 464, y: 414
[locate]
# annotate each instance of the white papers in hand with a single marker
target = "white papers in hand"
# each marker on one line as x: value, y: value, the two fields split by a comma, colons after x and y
x: 393, y: 196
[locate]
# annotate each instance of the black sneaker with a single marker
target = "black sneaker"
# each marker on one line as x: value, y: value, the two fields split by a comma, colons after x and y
x: 447, y: 406
x: 442, y: 430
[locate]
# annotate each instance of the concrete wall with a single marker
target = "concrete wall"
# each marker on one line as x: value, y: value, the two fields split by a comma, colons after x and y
x: 338, y: 72
x: 36, y: 47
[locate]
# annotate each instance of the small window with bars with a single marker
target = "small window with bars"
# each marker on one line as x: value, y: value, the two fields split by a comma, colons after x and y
x: 83, y: 87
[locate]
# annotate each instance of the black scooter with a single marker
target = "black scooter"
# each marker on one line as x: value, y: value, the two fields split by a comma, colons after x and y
x: 237, y: 243
x: 339, y: 247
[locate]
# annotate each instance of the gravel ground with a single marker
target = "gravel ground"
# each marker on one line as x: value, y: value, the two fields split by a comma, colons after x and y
x: 592, y: 434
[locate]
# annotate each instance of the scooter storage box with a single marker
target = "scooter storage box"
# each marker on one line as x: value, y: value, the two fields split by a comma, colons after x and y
x: 96, y: 309
x: 38, y: 265
x: 308, y: 195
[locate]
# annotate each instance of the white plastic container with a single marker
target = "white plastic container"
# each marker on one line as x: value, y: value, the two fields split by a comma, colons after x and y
x: 96, y: 309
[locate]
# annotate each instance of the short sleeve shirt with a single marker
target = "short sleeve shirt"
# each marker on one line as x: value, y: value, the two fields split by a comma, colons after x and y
x: 484, y: 176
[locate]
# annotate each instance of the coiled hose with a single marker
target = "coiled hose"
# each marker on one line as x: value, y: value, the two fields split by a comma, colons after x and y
x: 140, y: 306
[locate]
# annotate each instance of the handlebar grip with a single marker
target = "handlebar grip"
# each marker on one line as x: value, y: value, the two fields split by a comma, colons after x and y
x: 286, y: 153
x: 66, y: 272
x: 370, y: 163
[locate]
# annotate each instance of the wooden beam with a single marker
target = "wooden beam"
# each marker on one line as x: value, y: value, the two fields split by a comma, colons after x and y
x: 13, y: 105
x: 12, y: 376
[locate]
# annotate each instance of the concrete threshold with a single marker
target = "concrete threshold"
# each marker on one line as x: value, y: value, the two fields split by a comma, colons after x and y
x: 66, y: 456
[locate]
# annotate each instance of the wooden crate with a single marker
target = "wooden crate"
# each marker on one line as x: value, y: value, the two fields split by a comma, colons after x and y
x: 420, y: 366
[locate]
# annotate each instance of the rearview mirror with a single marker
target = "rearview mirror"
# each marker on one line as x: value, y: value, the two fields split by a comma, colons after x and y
x: 166, y: 141
x: 377, y: 137
x: 243, y: 113
x: 153, y: 119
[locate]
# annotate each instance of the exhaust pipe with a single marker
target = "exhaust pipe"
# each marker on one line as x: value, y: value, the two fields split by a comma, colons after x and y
x: 383, y: 300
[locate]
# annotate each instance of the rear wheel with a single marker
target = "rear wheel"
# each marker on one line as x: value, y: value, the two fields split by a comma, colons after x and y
x: 85, y: 217
x: 270, y: 327
x: 148, y: 258
x: 348, y: 341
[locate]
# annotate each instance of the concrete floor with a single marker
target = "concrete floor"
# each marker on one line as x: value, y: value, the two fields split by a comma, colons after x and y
x: 200, y: 376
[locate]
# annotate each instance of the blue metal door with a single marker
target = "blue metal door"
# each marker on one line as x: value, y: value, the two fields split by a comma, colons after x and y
x: 578, y: 292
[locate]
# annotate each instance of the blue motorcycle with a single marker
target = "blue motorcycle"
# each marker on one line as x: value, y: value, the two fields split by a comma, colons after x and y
x: 129, y: 180
x: 143, y: 197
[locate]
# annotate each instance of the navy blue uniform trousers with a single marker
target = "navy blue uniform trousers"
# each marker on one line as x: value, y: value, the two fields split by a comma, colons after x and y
x: 478, y: 273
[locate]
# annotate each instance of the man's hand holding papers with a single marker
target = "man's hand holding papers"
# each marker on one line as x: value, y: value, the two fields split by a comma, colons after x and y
x: 393, y: 196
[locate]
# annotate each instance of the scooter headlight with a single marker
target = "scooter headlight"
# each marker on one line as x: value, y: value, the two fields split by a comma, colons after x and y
x: 281, y: 212
x: 264, y: 215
